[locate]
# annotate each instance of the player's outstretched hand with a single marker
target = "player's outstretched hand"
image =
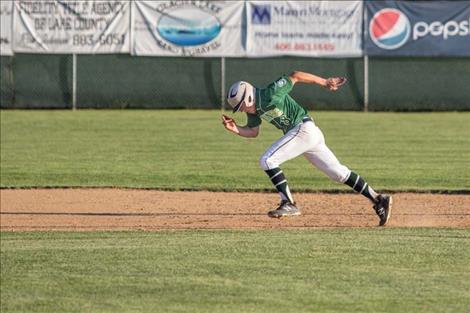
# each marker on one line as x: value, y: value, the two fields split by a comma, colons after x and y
x: 334, y: 83
x: 229, y: 123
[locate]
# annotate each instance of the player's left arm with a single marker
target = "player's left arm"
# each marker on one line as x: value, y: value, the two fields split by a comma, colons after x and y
x: 244, y: 131
x: 331, y: 83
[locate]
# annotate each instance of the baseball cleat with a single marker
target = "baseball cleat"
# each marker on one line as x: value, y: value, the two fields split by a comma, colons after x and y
x: 285, y: 209
x: 383, y: 208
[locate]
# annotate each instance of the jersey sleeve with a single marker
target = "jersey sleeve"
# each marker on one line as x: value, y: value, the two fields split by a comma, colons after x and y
x: 281, y: 86
x: 253, y: 120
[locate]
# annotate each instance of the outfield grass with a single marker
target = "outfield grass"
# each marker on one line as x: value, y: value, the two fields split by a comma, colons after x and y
x: 178, y: 149
x: 322, y: 270
x: 330, y: 270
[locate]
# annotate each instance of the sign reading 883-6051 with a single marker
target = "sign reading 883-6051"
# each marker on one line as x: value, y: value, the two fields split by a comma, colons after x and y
x: 107, y: 40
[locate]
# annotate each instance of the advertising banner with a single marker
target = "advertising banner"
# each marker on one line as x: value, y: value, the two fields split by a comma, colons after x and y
x: 188, y: 28
x: 6, y: 14
x: 304, y: 28
x: 418, y: 28
x: 71, y: 26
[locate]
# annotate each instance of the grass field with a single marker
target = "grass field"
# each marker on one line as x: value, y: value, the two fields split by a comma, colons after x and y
x: 182, y: 149
x: 316, y: 270
x: 343, y: 270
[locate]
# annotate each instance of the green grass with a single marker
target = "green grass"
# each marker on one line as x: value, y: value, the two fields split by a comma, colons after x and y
x: 183, y: 149
x: 329, y: 270
x: 322, y: 270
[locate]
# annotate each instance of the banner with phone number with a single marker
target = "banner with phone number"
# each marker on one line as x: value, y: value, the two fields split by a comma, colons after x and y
x: 304, y: 28
x: 71, y: 26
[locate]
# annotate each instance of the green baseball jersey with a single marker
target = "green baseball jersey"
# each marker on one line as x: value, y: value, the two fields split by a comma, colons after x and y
x: 274, y: 105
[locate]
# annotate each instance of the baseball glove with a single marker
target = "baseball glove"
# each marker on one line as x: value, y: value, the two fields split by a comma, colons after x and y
x: 334, y: 83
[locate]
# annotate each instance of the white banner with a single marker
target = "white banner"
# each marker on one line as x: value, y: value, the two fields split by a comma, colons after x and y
x: 71, y: 26
x: 304, y: 28
x: 188, y: 28
x: 6, y: 14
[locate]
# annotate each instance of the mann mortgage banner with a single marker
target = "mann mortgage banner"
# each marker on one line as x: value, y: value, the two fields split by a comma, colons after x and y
x: 6, y: 13
x: 71, y: 26
x: 188, y: 28
x: 421, y: 28
x: 304, y: 28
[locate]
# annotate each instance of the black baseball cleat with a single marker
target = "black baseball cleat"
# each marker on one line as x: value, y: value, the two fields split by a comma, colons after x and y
x: 285, y: 209
x: 383, y: 208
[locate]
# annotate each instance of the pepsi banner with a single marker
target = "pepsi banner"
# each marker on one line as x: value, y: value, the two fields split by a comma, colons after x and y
x: 418, y: 28
x: 188, y: 28
x: 304, y: 28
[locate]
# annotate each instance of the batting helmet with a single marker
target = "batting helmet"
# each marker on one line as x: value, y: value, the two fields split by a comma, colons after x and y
x: 239, y: 92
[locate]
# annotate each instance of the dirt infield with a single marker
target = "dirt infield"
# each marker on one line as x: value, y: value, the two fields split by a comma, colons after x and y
x: 127, y: 209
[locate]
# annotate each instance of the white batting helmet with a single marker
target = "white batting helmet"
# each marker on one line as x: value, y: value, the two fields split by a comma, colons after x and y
x: 239, y: 92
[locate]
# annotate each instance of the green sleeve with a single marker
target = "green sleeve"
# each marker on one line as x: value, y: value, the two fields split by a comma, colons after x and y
x: 253, y: 120
x: 281, y: 86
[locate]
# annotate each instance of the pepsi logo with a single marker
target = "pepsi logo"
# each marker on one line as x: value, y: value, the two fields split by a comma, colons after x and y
x: 389, y: 29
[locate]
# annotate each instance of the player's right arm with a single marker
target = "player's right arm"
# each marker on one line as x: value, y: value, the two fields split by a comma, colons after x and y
x: 307, y: 78
x: 332, y: 83
x: 244, y: 131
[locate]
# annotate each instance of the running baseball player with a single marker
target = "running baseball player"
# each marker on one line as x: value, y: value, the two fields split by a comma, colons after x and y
x: 301, y: 136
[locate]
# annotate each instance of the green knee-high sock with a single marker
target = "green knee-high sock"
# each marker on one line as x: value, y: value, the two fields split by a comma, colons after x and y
x: 357, y: 183
x: 280, y: 182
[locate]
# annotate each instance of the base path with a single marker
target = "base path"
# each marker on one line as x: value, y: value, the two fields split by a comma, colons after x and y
x: 129, y: 209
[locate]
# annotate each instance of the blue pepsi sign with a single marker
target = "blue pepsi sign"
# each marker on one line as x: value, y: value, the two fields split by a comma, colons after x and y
x: 389, y: 29
x: 425, y: 28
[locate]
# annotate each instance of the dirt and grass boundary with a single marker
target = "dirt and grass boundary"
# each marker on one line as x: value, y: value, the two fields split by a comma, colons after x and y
x: 102, y: 209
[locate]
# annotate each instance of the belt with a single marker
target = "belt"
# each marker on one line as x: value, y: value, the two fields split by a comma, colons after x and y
x: 307, y: 119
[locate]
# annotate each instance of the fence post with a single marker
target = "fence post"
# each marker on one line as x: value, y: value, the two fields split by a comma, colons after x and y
x: 11, y: 80
x: 222, y: 83
x: 74, y: 82
x: 366, y: 83
x: 366, y: 61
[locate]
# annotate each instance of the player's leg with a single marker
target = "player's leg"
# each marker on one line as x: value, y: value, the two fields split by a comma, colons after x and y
x: 358, y: 183
x: 278, y: 179
x: 325, y: 160
x: 289, y: 146
x: 382, y: 203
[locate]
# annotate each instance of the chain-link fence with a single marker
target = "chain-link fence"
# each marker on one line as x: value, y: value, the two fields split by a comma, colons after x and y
x: 124, y: 81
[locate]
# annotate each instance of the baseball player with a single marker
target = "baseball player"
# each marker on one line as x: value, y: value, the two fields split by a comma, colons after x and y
x: 301, y: 136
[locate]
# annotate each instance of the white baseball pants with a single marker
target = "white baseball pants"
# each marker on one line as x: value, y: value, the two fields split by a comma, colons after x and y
x: 307, y: 139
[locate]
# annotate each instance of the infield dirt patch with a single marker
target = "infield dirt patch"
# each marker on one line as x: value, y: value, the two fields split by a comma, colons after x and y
x: 129, y: 209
